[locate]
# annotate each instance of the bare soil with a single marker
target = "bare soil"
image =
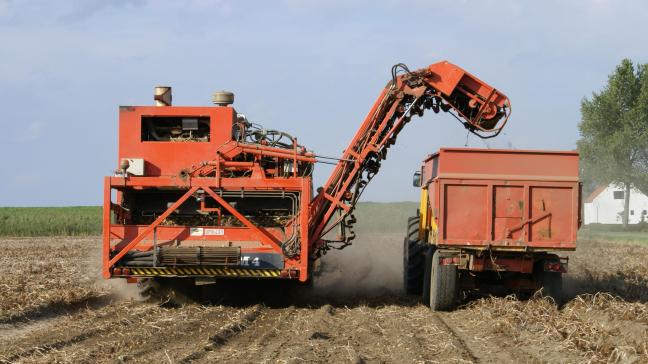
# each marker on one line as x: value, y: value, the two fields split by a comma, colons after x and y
x: 54, y: 307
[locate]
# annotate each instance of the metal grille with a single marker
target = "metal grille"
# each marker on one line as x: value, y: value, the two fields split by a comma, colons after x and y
x: 199, y: 256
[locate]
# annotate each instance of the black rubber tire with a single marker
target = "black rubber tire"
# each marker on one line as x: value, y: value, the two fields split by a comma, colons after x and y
x: 552, y: 285
x: 413, y: 258
x: 427, y: 271
x: 443, y: 285
x: 146, y: 288
x: 152, y: 290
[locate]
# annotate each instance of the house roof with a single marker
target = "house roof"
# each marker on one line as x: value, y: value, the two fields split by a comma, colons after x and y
x: 595, y: 193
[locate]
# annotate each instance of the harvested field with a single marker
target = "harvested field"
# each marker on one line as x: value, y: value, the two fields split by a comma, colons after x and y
x: 38, y: 276
x: 55, y: 308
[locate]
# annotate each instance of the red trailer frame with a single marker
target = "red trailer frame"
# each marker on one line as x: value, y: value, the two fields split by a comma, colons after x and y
x: 492, y: 219
x: 503, y: 199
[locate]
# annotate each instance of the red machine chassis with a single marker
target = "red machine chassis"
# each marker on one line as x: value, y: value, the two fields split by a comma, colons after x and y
x: 124, y: 238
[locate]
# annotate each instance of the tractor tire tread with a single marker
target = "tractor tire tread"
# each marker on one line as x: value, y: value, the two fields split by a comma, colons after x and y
x: 413, y: 258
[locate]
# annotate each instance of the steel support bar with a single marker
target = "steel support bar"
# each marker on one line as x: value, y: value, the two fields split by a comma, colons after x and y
x: 106, y: 226
x: 286, y: 155
x: 150, y: 228
x: 230, y: 184
x: 269, y: 238
x: 526, y: 222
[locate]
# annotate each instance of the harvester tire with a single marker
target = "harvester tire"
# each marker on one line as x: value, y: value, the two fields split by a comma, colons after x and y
x: 443, y: 284
x: 151, y: 290
x: 413, y: 258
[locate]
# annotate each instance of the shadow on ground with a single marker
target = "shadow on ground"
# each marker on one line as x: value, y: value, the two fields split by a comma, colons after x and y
x: 282, y: 294
x: 629, y: 287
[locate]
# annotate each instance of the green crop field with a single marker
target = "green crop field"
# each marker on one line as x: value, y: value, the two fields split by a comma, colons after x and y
x: 50, y: 221
x: 384, y: 216
x: 633, y: 233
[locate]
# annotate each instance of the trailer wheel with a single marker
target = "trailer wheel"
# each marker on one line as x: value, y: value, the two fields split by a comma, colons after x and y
x: 413, y: 258
x: 552, y: 285
x: 443, y: 284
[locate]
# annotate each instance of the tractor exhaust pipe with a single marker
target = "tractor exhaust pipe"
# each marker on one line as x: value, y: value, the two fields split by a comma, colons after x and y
x: 162, y: 96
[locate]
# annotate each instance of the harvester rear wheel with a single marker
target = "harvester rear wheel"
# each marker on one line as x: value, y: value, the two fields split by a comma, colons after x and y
x: 152, y: 290
x: 443, y: 284
x: 413, y: 258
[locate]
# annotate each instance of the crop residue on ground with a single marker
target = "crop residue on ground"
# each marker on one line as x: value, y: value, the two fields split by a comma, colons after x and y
x: 54, y: 308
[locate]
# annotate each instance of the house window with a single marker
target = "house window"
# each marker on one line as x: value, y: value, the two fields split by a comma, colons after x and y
x: 644, y: 212
x: 631, y: 212
x: 618, y: 195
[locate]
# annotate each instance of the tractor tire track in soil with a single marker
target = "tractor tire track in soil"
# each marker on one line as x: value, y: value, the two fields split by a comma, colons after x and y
x: 225, y: 334
x: 459, y: 340
x: 479, y: 348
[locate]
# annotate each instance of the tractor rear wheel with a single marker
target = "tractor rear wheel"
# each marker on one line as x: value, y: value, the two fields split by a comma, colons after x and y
x: 413, y: 258
x: 443, y: 284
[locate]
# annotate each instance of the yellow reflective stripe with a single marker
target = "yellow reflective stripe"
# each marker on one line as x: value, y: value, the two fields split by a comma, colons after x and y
x: 232, y: 272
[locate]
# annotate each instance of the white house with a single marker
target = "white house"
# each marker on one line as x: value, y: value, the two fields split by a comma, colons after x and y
x: 605, y: 206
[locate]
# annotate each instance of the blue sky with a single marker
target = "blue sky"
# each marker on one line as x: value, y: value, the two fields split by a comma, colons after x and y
x: 312, y: 68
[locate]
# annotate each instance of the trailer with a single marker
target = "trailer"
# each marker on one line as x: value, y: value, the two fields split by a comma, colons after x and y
x: 491, y: 219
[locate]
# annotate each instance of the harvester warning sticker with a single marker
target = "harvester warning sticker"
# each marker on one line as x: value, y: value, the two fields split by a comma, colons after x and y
x: 194, y: 231
x: 214, y: 232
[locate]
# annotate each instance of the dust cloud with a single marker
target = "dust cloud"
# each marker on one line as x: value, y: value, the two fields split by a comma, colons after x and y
x: 372, y: 266
x: 117, y: 289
